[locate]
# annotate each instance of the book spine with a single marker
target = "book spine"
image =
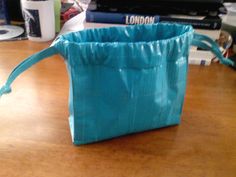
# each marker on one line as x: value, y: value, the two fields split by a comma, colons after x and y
x: 131, y: 19
x: 119, y: 18
x: 197, y: 57
x: 201, y: 24
x: 202, y: 62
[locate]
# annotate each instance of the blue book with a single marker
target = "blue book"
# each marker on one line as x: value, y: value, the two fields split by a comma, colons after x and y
x: 131, y: 19
x: 119, y: 18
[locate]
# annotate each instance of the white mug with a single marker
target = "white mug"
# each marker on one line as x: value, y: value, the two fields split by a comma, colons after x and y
x: 39, y: 19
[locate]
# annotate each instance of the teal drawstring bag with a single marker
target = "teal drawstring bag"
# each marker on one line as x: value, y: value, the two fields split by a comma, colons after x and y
x: 123, y: 79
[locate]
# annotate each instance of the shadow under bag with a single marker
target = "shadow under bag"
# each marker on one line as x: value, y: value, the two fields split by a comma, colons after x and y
x: 123, y: 79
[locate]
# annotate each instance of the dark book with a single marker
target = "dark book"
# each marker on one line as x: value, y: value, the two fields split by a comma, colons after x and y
x: 162, y: 7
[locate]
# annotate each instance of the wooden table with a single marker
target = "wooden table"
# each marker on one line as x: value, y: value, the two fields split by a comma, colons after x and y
x: 35, y: 139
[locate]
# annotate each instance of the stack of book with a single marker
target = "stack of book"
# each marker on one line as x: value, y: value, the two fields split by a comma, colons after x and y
x: 203, y: 15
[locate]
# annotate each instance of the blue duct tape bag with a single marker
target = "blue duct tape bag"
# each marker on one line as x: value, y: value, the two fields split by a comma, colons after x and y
x: 123, y: 79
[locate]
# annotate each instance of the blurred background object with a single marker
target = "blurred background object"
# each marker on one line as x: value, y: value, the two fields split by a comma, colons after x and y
x: 10, y: 12
x: 229, y: 22
x: 11, y: 21
x: 14, y: 9
x: 4, y: 15
x: 70, y: 9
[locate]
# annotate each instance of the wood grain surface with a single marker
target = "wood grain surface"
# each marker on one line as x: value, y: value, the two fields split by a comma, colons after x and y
x: 35, y: 139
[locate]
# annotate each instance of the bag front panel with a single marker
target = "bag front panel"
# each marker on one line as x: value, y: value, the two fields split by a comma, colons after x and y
x: 110, y: 102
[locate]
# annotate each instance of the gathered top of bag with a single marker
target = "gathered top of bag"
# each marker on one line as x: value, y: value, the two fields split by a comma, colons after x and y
x: 112, y: 46
x: 129, y: 34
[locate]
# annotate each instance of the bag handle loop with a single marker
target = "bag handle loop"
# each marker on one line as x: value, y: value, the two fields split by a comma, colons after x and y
x: 24, y: 65
x: 199, y: 40
x: 207, y: 43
